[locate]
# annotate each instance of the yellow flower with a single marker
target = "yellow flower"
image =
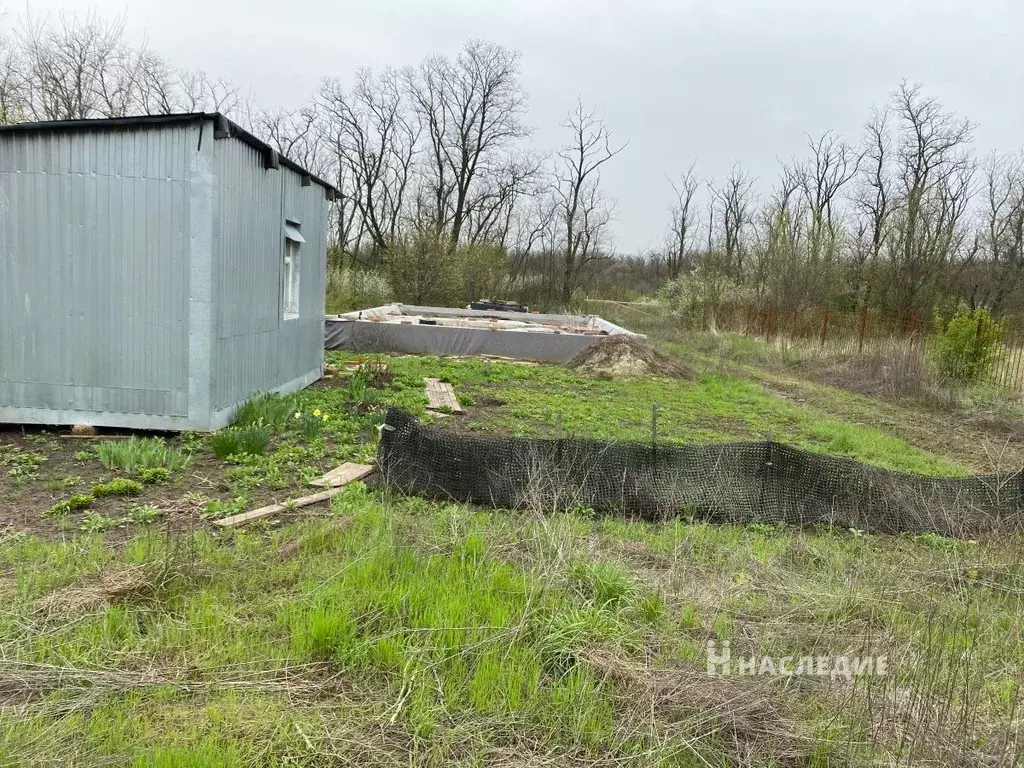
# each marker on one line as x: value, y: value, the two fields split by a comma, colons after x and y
x: 317, y: 413
x: 325, y: 417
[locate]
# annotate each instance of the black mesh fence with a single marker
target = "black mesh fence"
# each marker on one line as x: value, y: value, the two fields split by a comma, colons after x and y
x: 728, y: 482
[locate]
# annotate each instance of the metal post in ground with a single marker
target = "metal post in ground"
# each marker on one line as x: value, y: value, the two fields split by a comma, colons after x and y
x: 558, y: 437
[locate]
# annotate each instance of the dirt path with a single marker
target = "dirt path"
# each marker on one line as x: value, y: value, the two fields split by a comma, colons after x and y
x: 979, y: 447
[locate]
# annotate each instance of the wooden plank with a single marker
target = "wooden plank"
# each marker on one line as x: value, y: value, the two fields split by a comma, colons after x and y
x: 346, y: 473
x: 276, y: 509
x: 440, y: 395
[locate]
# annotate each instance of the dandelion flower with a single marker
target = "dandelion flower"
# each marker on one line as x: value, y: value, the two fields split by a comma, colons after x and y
x: 317, y: 413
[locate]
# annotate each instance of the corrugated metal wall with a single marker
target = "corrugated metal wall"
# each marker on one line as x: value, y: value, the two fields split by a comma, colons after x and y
x: 256, y: 349
x: 94, y: 270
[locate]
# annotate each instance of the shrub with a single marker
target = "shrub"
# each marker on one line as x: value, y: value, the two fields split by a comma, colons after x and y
x: 135, y: 454
x: 970, y: 345
x: 78, y: 501
x: 349, y: 289
x: 269, y: 409
x: 117, y: 487
x: 238, y: 441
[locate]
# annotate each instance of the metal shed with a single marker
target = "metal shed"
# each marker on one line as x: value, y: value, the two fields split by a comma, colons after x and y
x: 155, y: 272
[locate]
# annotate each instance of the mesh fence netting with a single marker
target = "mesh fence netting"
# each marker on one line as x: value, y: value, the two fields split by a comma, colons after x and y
x: 727, y: 482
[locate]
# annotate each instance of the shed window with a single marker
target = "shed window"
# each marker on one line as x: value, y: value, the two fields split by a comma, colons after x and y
x: 290, y: 285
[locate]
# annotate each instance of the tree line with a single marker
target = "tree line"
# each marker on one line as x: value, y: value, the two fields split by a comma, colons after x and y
x: 441, y: 191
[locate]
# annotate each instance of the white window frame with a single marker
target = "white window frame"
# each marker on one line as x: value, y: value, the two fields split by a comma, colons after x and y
x: 290, y: 309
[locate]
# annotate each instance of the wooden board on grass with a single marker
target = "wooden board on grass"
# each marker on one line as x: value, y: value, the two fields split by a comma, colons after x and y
x: 342, y: 475
x: 441, y: 396
x: 305, y: 501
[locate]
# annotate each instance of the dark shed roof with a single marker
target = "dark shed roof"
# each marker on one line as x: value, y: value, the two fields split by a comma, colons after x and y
x: 223, y: 128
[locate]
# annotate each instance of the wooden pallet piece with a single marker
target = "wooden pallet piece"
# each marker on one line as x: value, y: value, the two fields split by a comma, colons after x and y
x: 346, y: 473
x: 441, y: 396
x: 276, y: 509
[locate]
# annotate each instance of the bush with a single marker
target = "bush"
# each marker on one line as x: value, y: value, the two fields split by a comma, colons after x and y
x: 136, y: 454
x: 238, y: 441
x: 421, y: 270
x: 117, y: 487
x: 970, y: 345
x: 699, y: 297
x: 268, y: 409
x: 349, y: 289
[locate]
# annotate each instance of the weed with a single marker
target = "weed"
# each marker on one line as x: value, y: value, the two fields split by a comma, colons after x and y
x: 84, y: 456
x: 269, y: 410
x: 154, y: 475
x: 93, y: 522
x: 64, y: 483
x: 23, y: 465
x: 309, y: 425
x: 218, y: 508
x: 76, y: 502
x: 118, y: 487
x: 143, y: 515
x: 135, y: 454
x: 241, y: 441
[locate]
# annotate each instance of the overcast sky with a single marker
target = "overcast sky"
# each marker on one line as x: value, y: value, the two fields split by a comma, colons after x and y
x: 711, y: 81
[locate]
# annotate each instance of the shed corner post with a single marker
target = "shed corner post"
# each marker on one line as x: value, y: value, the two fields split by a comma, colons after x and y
x: 201, y: 281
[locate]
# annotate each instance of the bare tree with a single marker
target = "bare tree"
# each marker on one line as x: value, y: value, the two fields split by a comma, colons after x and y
x: 934, y: 174
x: 11, y: 82
x: 296, y: 134
x: 199, y: 92
x: 873, y: 202
x: 372, y: 135
x: 1004, y: 229
x: 733, y: 201
x: 77, y: 70
x: 470, y: 111
x: 833, y: 164
x: 583, y: 214
x: 683, y: 222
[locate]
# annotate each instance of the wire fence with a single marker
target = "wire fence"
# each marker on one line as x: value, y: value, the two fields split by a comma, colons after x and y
x: 721, y: 482
x: 825, y: 331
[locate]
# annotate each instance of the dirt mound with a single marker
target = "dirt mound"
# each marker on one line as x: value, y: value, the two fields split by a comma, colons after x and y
x: 621, y: 356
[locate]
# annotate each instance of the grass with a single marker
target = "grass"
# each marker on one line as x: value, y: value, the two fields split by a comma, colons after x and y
x: 387, y: 630
x: 241, y: 441
x: 268, y: 410
x: 716, y: 407
x: 137, y: 454
x: 397, y: 627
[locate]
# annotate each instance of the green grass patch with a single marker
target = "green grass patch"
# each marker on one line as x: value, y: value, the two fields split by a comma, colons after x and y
x: 141, y: 453
x: 268, y: 410
x: 714, y: 408
x: 241, y: 441
x: 117, y: 487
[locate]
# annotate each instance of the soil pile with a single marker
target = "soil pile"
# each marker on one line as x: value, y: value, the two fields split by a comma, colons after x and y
x: 622, y: 356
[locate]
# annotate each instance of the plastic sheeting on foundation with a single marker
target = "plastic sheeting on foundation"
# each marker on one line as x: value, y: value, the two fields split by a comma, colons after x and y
x: 398, y: 329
